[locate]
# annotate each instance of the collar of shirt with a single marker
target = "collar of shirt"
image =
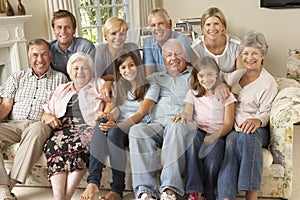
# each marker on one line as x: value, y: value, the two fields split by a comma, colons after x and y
x: 70, y: 48
x: 187, y: 70
x: 45, y: 75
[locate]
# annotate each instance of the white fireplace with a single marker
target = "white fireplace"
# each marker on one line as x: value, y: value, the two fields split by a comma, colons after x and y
x: 13, y: 45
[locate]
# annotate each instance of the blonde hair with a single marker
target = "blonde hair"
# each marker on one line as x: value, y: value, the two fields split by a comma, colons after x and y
x: 114, y: 24
x: 213, y: 12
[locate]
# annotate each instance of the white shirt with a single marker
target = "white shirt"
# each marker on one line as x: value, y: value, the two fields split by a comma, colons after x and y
x: 254, y: 99
x: 226, y: 60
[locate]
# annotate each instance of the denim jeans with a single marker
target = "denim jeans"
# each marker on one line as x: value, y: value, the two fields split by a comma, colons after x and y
x: 112, y: 144
x: 203, y: 163
x: 145, y: 140
x: 243, y: 162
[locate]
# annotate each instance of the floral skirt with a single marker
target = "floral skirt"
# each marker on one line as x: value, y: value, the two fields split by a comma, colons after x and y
x: 68, y: 148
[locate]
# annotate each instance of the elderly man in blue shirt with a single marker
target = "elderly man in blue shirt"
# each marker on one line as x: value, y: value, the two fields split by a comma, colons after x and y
x: 161, y: 29
x: 162, y: 134
x: 66, y: 44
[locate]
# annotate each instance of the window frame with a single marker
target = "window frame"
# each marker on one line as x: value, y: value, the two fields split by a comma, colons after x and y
x: 99, y: 26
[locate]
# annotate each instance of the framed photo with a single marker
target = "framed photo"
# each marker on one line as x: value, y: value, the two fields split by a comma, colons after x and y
x: 184, y: 25
x: 178, y: 29
x: 145, y: 31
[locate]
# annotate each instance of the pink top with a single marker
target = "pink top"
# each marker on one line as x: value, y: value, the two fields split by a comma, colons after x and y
x: 89, y: 100
x: 208, y: 112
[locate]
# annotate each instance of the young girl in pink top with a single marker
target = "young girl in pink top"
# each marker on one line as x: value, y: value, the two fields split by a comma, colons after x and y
x: 214, y: 119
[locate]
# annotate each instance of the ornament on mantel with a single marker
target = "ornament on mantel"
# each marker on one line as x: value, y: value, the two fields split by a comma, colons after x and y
x: 21, y: 8
x: 8, y: 9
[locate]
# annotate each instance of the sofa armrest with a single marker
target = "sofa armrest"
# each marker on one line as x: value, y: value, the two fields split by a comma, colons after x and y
x: 285, y: 112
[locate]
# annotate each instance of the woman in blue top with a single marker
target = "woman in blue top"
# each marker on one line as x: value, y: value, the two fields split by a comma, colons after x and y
x: 135, y: 96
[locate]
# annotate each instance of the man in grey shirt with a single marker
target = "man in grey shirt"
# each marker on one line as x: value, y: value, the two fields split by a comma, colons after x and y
x: 66, y: 44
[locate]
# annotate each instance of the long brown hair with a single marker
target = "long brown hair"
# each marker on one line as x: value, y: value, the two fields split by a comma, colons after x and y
x: 123, y: 85
x: 198, y: 65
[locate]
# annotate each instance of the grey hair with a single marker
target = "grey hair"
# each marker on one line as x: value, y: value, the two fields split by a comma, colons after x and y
x: 254, y: 39
x: 80, y: 56
x: 175, y: 42
x: 160, y: 11
x: 38, y: 41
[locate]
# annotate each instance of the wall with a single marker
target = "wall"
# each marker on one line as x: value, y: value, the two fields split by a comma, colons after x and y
x: 37, y: 26
x: 280, y: 26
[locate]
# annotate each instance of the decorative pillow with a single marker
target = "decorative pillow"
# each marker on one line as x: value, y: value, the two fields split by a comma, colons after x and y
x: 293, y: 64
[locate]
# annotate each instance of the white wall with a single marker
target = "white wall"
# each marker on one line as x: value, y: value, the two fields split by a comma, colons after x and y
x: 281, y: 27
x: 37, y: 26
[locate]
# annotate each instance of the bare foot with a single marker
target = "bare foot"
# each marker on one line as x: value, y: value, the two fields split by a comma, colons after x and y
x: 112, y: 196
x: 89, y: 192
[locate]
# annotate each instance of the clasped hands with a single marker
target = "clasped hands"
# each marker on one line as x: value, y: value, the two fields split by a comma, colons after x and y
x: 106, y: 125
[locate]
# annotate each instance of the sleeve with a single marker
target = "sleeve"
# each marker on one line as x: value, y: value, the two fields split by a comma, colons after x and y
x: 267, y: 99
x: 50, y: 106
x: 153, y: 92
x: 148, y: 57
x: 189, y: 97
x: 89, y: 48
x: 9, y: 88
x: 99, y: 61
x: 230, y: 99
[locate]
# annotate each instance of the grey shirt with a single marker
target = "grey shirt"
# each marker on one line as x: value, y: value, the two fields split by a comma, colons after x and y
x: 172, y: 94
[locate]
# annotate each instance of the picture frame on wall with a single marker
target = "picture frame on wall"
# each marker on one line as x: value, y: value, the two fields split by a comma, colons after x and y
x: 178, y: 29
x: 183, y: 25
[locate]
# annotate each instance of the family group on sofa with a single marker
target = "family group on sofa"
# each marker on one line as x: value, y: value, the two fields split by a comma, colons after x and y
x: 204, y: 105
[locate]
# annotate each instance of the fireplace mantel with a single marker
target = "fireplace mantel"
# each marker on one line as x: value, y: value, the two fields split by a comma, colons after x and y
x: 13, y: 43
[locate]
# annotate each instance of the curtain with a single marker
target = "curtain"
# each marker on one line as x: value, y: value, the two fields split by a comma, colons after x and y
x: 55, y: 5
x: 139, y: 11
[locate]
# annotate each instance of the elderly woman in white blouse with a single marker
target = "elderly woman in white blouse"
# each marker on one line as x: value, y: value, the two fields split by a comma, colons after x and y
x: 255, y: 90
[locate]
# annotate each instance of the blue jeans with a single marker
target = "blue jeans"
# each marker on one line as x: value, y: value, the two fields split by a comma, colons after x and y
x: 203, y: 163
x: 112, y: 144
x: 243, y: 162
x: 145, y: 140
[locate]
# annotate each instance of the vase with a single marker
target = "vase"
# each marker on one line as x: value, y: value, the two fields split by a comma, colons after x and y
x: 21, y: 8
x: 8, y: 9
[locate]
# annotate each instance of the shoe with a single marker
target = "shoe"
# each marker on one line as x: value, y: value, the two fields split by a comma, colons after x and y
x: 5, y: 193
x: 194, y: 196
x: 144, y: 196
x: 166, y: 196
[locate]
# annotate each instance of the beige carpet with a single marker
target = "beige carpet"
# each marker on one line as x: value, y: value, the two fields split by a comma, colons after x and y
x: 42, y: 193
